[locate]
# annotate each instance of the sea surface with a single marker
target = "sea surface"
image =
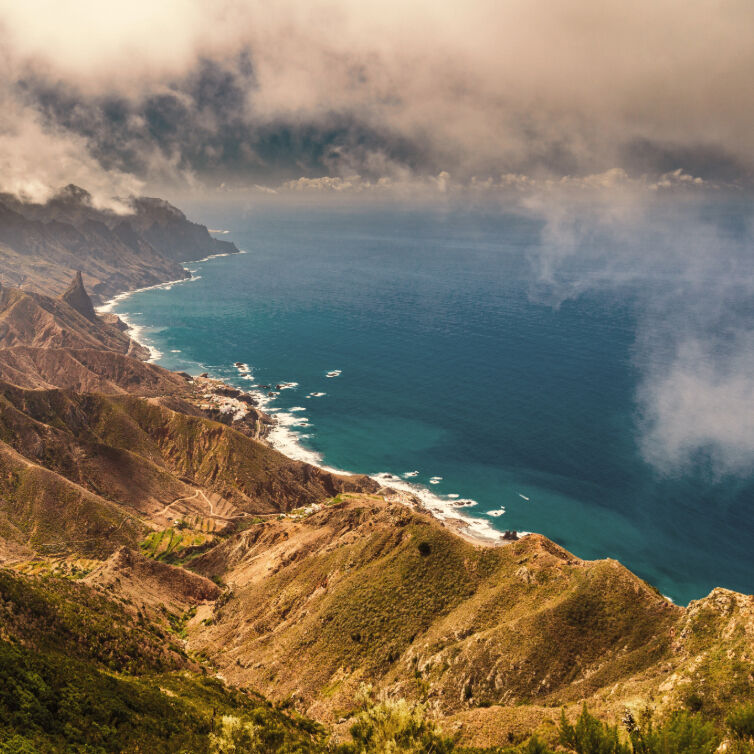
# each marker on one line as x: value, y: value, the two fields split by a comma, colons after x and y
x: 450, y: 369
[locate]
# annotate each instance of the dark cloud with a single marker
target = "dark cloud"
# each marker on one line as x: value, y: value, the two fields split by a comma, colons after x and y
x: 242, y: 91
x: 201, y: 124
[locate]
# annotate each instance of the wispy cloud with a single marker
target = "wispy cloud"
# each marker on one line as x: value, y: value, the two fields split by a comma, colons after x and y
x: 686, y: 263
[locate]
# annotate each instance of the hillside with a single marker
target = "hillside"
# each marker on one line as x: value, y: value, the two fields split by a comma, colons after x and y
x: 170, y: 582
x: 127, y: 456
x: 99, y: 448
x: 85, y: 671
x: 366, y: 590
x: 86, y: 370
x: 40, y: 321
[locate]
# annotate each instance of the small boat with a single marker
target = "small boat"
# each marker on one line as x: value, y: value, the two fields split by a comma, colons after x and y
x: 523, y: 497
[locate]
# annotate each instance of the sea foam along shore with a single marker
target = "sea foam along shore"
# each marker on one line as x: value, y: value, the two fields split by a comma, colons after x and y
x: 285, y: 439
x: 134, y: 331
x: 449, y: 508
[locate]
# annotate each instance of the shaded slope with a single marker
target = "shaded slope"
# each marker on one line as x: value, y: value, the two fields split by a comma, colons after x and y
x: 54, y: 515
x: 130, y: 575
x: 86, y: 370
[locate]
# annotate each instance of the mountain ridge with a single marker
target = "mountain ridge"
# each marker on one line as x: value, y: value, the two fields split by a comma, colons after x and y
x: 42, y: 246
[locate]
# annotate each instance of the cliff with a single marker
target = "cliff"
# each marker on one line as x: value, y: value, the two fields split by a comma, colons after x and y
x: 42, y: 246
x: 77, y: 298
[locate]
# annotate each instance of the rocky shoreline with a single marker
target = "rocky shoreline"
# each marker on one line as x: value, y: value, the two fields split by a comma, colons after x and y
x: 240, y: 409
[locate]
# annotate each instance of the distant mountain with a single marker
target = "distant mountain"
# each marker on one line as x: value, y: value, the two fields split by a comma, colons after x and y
x: 42, y: 246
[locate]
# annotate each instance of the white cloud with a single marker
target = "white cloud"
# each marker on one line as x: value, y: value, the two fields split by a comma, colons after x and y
x: 701, y: 403
x: 691, y: 276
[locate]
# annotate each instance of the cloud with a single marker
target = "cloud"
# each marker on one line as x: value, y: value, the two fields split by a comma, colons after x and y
x: 616, y: 125
x: 252, y: 92
x: 684, y: 262
x: 36, y: 159
x: 698, y: 408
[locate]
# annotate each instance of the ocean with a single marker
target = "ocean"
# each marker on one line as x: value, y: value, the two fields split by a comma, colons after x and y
x: 436, y: 345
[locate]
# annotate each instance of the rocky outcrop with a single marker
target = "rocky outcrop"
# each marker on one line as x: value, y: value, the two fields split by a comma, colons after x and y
x: 77, y: 298
x: 39, y: 321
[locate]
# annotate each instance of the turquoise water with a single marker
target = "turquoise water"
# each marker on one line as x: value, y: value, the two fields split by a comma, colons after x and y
x: 450, y: 367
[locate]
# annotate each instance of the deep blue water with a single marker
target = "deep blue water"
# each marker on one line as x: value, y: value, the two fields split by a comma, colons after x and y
x: 451, y: 367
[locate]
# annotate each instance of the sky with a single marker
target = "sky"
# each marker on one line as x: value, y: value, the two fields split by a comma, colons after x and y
x: 589, y: 114
x: 355, y: 96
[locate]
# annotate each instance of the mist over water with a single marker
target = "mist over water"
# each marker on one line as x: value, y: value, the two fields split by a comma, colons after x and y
x: 587, y: 372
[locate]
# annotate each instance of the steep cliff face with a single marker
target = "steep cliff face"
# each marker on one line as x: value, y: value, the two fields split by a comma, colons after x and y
x: 170, y: 232
x: 42, y: 246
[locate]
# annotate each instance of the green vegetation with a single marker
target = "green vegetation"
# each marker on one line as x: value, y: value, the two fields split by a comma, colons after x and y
x: 741, y: 723
x: 681, y: 732
x: 176, y: 545
x: 67, y: 617
x: 53, y: 704
x: 405, y: 579
x: 385, y: 726
x: 78, y: 674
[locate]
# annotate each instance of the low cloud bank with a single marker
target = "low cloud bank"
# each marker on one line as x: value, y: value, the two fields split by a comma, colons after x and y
x: 242, y: 92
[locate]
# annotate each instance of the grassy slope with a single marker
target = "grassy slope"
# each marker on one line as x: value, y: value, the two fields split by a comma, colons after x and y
x: 369, y: 591
x: 78, y: 674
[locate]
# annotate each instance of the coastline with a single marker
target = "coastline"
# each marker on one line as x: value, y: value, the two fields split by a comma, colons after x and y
x: 282, y: 437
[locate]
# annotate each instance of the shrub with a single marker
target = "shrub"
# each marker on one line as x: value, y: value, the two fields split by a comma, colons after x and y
x: 590, y: 735
x: 386, y: 725
x: 741, y: 722
x: 682, y: 733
